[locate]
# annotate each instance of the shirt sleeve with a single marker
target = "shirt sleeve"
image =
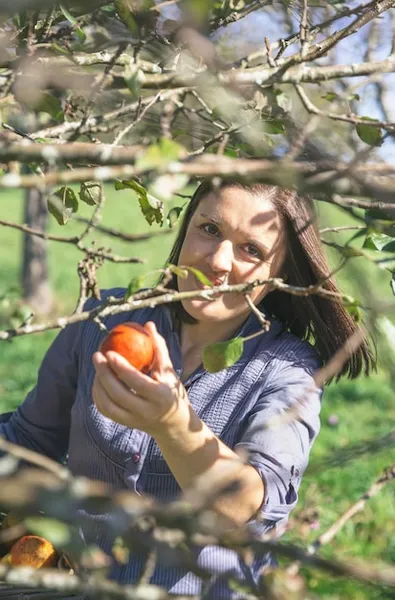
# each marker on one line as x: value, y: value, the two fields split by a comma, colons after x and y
x: 278, y: 441
x: 42, y: 422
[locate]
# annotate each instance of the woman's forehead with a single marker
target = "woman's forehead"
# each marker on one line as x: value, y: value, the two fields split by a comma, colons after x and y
x: 241, y: 209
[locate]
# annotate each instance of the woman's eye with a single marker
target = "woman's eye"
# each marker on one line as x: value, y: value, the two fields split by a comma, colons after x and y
x: 253, y: 251
x: 209, y: 228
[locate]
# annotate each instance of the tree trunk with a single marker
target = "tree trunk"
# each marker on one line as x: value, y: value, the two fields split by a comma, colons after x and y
x: 36, y: 288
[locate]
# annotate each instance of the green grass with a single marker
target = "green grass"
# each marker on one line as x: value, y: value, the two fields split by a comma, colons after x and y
x: 20, y: 358
x: 359, y: 277
x: 365, y: 408
x: 121, y: 212
x: 345, y: 461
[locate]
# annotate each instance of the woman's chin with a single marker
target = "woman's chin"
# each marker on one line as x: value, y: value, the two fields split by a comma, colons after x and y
x: 204, y: 310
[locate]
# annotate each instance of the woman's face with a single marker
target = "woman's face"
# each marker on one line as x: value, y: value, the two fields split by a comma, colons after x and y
x: 234, y: 236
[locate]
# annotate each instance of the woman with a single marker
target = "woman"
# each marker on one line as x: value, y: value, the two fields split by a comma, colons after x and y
x: 181, y: 425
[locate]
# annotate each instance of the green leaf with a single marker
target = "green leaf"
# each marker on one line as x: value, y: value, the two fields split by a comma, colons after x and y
x: 62, y: 204
x: 199, y: 275
x: 173, y: 216
x: 133, y: 76
x: 34, y: 168
x: 357, y: 235
x: 330, y: 96
x: 60, y: 49
x: 90, y: 192
x: 378, y: 221
x: 80, y: 34
x: 151, y: 207
x: 387, y: 329
x: 68, y: 15
x: 353, y: 307
x: 198, y: 10
x: 222, y: 355
x: 126, y: 16
x: 379, y: 241
x: 124, y: 184
x: 274, y: 127
x: 375, y: 214
x: 382, y: 260
x: 369, y: 134
x: 52, y: 530
x: 237, y: 586
x: 231, y: 152
x: 179, y: 271
x: 350, y: 251
x: 136, y: 283
x: 160, y: 155
x: 52, y: 105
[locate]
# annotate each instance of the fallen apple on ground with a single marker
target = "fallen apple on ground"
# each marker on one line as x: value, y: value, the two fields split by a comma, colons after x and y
x: 133, y: 342
x: 32, y: 551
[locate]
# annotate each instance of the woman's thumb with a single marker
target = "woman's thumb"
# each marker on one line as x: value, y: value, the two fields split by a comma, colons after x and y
x: 162, y: 361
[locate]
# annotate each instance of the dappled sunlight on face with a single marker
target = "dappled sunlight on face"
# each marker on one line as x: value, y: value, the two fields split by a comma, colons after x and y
x: 234, y: 237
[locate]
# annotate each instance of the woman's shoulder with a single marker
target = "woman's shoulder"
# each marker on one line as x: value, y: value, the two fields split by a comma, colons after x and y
x: 287, y: 349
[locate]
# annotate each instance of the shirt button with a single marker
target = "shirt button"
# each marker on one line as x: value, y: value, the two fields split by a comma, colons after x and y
x: 136, y: 457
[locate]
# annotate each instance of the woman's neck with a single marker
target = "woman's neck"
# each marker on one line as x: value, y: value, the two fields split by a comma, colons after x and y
x: 199, y: 335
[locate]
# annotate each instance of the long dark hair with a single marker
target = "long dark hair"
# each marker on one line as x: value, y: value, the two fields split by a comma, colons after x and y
x: 324, y: 322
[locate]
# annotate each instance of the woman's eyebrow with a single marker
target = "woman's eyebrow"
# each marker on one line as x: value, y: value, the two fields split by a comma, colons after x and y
x: 210, y: 218
x: 256, y: 242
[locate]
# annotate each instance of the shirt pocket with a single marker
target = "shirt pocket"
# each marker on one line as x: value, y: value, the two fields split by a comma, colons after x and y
x: 159, y: 480
x: 113, y: 440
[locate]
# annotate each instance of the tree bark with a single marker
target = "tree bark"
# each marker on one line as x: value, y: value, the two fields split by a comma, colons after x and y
x: 36, y: 287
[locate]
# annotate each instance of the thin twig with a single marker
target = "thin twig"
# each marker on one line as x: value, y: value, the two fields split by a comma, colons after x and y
x: 353, y: 119
x: 96, y: 216
x: 303, y: 29
x: 75, y: 240
x: 35, y: 459
x: 139, y: 117
x: 376, y: 487
x: 342, y: 228
x: 169, y: 297
x: 258, y: 313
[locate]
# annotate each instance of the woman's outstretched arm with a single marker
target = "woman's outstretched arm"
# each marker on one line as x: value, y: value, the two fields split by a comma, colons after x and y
x: 42, y: 422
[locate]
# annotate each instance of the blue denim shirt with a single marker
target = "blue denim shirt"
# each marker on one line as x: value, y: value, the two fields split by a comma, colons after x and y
x: 58, y: 417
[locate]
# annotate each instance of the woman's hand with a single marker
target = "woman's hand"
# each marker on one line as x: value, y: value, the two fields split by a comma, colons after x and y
x: 157, y: 404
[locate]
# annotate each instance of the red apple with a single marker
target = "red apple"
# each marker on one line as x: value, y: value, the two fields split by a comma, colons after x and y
x: 133, y: 342
x: 32, y: 551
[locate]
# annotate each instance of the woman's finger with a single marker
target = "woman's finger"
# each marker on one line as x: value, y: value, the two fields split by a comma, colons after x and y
x: 129, y: 375
x: 105, y: 404
x: 162, y: 363
x: 117, y: 390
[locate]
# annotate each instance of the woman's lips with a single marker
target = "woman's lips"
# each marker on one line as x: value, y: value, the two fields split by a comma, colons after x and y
x: 215, y: 283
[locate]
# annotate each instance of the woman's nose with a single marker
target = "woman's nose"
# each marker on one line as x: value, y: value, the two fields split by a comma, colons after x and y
x: 222, y: 257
